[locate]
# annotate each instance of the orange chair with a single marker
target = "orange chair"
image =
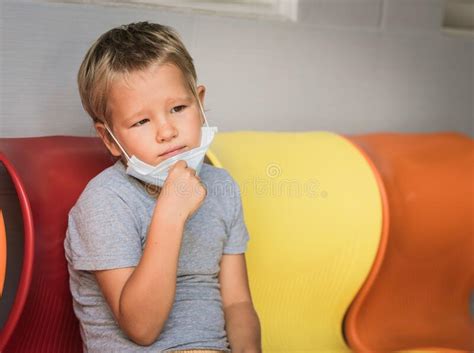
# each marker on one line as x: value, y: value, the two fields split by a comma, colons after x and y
x: 3, y: 253
x: 417, y: 294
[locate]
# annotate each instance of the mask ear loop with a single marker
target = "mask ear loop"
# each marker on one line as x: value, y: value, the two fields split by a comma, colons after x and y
x: 202, y: 112
x: 116, y: 141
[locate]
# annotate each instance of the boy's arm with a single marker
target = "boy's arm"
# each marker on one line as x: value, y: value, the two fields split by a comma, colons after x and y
x: 141, y: 298
x: 242, y: 323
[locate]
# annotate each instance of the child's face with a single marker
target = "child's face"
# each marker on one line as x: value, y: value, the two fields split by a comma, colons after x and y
x: 154, y: 113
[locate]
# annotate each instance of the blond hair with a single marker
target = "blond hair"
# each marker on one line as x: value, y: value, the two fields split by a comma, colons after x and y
x: 124, y: 50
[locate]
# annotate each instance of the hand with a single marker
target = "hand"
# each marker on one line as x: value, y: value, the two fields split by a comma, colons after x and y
x: 182, y: 193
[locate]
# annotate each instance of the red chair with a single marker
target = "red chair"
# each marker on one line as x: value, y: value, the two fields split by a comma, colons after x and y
x: 53, y: 172
x: 24, y: 257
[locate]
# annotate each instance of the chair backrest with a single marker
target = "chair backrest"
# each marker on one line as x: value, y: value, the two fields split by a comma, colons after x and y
x: 54, y: 170
x: 313, y: 209
x: 17, y: 255
x: 418, y: 296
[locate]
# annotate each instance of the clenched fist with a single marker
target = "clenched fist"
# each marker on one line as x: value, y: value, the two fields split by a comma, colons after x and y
x: 182, y: 193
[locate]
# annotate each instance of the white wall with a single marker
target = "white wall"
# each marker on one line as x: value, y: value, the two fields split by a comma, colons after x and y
x: 348, y: 66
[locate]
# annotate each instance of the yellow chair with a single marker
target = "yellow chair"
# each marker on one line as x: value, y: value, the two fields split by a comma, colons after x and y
x: 313, y: 209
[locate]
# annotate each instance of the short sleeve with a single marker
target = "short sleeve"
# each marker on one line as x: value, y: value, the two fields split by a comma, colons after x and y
x: 238, y: 236
x: 102, y: 232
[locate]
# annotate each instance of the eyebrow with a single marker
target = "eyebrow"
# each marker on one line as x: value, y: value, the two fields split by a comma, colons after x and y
x: 182, y: 98
x: 186, y: 98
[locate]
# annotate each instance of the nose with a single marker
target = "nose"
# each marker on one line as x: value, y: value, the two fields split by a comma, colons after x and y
x: 166, y: 132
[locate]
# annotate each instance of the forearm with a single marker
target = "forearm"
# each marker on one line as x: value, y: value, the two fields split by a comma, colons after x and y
x: 148, y: 295
x: 243, y: 328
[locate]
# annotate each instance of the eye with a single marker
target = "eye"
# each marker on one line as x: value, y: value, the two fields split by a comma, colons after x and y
x: 141, y: 122
x: 178, y: 108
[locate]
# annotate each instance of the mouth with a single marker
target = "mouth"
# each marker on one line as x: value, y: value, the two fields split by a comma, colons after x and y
x: 172, y: 152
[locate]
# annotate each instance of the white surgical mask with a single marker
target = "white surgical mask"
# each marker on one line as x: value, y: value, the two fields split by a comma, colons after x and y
x: 157, y: 175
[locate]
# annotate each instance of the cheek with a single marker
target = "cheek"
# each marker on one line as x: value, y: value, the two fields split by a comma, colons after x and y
x: 192, y: 129
x: 134, y: 140
x: 194, y: 135
x: 198, y: 136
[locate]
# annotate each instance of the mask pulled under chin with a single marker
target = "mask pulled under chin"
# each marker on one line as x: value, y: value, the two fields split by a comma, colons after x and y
x: 157, y: 175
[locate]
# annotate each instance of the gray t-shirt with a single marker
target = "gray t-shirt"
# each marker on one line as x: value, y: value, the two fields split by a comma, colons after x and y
x: 107, y: 228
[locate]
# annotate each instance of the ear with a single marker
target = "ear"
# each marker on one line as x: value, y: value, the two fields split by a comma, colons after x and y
x: 107, y: 139
x: 201, y: 91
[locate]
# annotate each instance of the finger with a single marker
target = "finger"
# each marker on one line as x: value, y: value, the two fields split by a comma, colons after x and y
x: 205, y: 188
x: 182, y: 163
